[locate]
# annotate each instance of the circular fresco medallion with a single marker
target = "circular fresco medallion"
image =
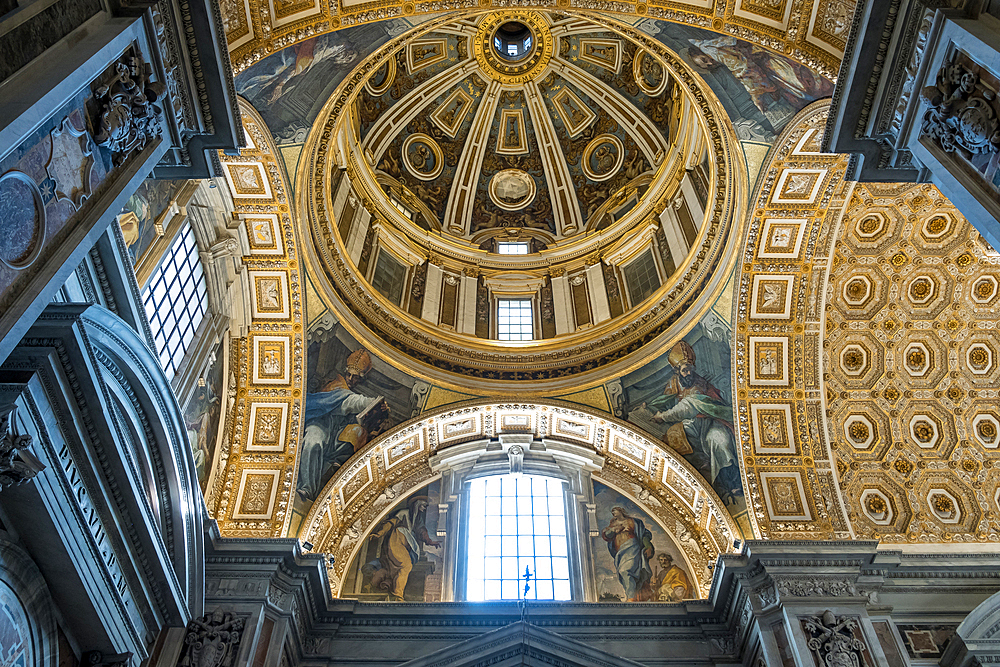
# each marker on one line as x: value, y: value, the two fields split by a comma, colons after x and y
x: 382, y: 79
x: 423, y: 157
x: 512, y: 189
x: 23, y: 213
x: 649, y: 74
x: 603, y: 157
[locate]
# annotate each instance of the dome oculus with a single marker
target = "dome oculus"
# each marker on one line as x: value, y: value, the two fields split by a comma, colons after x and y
x: 513, y: 46
x: 513, y: 41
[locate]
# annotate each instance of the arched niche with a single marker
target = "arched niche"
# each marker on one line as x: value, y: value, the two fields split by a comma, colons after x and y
x: 157, y: 460
x: 28, y: 634
x: 450, y: 447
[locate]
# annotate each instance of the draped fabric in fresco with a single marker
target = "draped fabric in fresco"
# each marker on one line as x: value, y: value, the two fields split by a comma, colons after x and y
x: 143, y: 209
x: 289, y: 88
x: 761, y: 90
x: 352, y: 397
x: 634, y: 558
x: 401, y: 559
x: 202, y: 415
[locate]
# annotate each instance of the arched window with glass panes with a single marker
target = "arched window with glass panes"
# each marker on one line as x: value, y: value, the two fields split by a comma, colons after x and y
x: 497, y: 511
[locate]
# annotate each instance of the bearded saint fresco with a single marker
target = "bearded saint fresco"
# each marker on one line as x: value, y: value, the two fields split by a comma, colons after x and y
x: 338, y: 422
x: 400, y: 560
x: 771, y: 80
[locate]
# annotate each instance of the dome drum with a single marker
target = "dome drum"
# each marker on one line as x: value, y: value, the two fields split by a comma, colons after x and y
x: 610, y: 199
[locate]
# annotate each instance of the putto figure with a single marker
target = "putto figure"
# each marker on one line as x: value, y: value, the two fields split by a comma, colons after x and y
x: 631, y: 545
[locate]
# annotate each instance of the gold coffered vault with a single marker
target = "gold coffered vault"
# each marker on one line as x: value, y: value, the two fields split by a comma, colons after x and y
x: 862, y: 361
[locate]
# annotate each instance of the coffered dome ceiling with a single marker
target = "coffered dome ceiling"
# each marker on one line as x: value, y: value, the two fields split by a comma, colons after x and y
x: 588, y: 143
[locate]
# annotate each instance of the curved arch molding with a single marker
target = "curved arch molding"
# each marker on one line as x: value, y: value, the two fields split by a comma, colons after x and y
x: 250, y: 495
x: 812, y: 33
x: 787, y: 463
x: 399, y: 462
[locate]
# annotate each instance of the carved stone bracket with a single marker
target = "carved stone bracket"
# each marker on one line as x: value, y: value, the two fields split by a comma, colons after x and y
x: 17, y: 464
x: 99, y: 659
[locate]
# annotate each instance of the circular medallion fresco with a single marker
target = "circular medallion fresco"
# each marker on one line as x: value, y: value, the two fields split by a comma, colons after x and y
x: 423, y: 157
x: 512, y: 189
x: 603, y: 157
x: 23, y: 213
x: 649, y: 74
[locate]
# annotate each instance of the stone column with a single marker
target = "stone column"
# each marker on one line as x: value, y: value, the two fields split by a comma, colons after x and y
x: 431, y: 310
x: 671, y: 225
x: 561, y: 300
x: 598, y: 292
x: 467, y: 293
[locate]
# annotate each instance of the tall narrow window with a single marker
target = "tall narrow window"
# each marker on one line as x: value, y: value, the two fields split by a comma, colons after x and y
x: 176, y: 300
x: 642, y: 277
x: 517, y: 522
x: 389, y: 277
x: 514, y: 320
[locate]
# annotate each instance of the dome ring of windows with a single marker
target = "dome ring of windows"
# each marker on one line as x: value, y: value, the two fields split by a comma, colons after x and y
x: 427, y: 170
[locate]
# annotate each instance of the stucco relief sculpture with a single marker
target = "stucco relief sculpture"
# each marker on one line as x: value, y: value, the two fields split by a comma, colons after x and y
x: 212, y: 640
x: 963, y: 114
x: 129, y: 117
x: 832, y: 640
x: 17, y: 464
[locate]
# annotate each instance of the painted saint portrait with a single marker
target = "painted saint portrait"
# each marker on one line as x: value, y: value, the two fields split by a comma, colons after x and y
x: 760, y: 90
x: 288, y: 88
x: 142, y: 211
x: 401, y: 559
x: 351, y: 398
x: 684, y: 398
x: 635, y: 560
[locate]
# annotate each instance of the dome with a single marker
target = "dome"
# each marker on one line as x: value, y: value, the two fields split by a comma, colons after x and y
x: 572, y: 168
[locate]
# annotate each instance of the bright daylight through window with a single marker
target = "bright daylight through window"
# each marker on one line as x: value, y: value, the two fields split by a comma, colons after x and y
x: 512, y: 248
x: 514, y: 321
x: 176, y: 300
x: 517, y: 522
